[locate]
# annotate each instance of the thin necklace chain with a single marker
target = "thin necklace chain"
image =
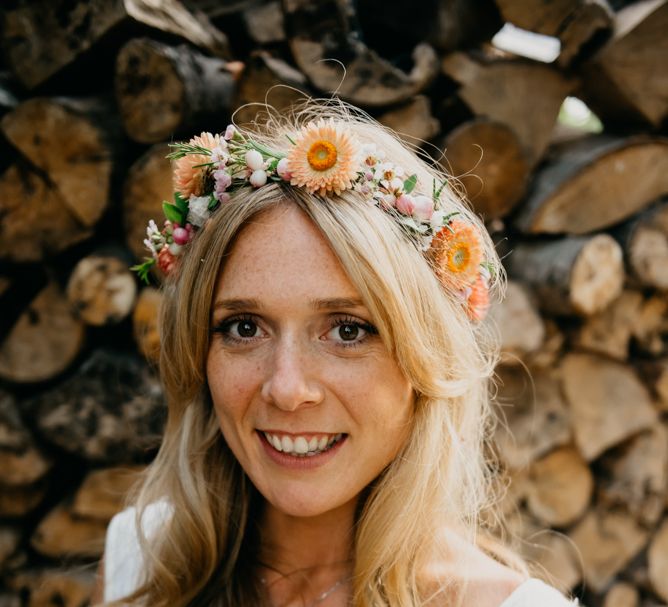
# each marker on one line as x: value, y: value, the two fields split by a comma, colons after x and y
x: 319, y: 599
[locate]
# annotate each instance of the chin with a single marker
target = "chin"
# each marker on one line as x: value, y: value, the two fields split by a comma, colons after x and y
x: 304, y: 504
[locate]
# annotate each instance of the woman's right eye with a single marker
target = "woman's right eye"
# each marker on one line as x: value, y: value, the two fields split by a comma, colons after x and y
x: 238, y: 329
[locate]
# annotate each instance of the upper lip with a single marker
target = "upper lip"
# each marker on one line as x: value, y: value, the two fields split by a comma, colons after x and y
x: 305, y: 433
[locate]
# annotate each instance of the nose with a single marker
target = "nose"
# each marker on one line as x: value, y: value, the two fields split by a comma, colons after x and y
x: 291, y: 382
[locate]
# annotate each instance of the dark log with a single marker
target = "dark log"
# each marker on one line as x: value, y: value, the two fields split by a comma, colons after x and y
x: 44, y: 587
x: 644, y: 239
x: 110, y: 411
x: 102, y: 289
x: 42, y: 37
x: 484, y: 87
x: 10, y: 537
x: 594, y: 184
x: 413, y: 121
x: 575, y: 275
x: 625, y: 81
x: 608, y: 402
x: 267, y: 80
x: 44, y: 342
x: 488, y: 159
x: 164, y: 91
x: 16, y: 502
x: 577, y: 23
x: 319, y: 31
x: 264, y: 22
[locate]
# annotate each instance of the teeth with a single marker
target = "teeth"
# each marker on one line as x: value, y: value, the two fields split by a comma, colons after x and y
x: 301, y: 446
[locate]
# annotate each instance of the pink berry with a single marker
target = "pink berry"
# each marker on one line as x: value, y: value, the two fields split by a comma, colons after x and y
x: 181, y: 236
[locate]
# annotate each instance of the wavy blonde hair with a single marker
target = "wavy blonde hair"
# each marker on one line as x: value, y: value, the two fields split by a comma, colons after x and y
x: 441, y: 477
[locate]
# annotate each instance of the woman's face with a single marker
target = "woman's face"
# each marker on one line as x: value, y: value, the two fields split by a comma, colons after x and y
x: 309, y: 399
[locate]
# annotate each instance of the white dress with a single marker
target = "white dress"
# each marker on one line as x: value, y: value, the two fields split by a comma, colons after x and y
x: 123, y: 562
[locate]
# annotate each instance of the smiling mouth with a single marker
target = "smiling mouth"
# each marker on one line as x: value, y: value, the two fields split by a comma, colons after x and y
x: 302, y: 446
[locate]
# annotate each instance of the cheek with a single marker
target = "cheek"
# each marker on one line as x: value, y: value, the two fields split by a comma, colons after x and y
x: 232, y: 384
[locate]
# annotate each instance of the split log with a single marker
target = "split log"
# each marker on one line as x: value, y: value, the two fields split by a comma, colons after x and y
x: 41, y: 38
x: 102, y: 493
x: 145, y: 323
x: 49, y: 587
x: 44, y: 342
x: 148, y: 183
x: 484, y: 87
x: 636, y: 477
x: 608, y: 403
x: 607, y: 541
x: 551, y: 350
x: 323, y: 30
x: 110, y: 411
x: 36, y: 221
x: 625, y: 81
x: 9, y: 97
x: 645, y: 242
x: 577, y: 23
x: 60, y: 534
x: 521, y: 328
x: 267, y: 80
x: 534, y: 417
x: 264, y: 23
x: 574, y: 275
x: 102, y: 289
x: 594, y: 183
x: 609, y: 332
x: 655, y: 377
x: 622, y: 594
x: 164, y: 91
x: 651, y: 327
x: 560, y: 487
x: 10, y: 537
x: 73, y: 143
x: 413, y: 121
x: 17, y: 502
x: 657, y: 556
x: 488, y: 159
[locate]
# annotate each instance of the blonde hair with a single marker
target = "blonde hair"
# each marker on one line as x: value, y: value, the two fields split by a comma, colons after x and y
x: 441, y: 476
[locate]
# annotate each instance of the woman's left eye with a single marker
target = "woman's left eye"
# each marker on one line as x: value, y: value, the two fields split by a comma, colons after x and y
x: 349, y: 332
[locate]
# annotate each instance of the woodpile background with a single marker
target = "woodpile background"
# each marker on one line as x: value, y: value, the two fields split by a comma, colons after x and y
x: 91, y: 91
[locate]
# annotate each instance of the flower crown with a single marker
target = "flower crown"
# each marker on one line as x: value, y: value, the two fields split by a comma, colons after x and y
x: 325, y: 159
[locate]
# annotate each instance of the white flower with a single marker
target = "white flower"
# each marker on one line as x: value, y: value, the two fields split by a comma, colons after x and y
x: 283, y: 169
x: 396, y: 184
x: 219, y: 154
x: 424, y: 207
x: 258, y: 178
x: 152, y: 229
x: 175, y: 249
x: 254, y: 160
x: 436, y: 220
x: 198, y: 210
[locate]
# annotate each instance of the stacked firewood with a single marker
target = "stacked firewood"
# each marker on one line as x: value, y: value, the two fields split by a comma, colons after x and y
x: 92, y: 91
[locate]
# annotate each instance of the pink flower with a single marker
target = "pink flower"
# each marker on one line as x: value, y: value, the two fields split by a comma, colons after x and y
x: 181, y: 236
x: 405, y: 204
x: 230, y: 132
x: 166, y: 260
x: 188, y: 174
x: 258, y: 178
x: 283, y: 169
x: 254, y: 160
x: 424, y: 207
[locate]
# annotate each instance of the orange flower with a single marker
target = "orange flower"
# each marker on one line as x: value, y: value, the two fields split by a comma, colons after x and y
x: 477, y: 304
x: 188, y: 178
x: 457, y: 253
x: 324, y: 158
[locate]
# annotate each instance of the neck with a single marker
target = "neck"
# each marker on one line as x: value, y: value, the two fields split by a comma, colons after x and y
x: 293, y: 543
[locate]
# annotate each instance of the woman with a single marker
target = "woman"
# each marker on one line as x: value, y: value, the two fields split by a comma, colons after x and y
x: 326, y: 374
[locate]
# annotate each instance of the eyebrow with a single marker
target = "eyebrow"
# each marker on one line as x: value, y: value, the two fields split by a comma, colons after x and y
x: 336, y: 303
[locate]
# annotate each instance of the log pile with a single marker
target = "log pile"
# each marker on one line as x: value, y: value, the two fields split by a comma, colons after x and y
x: 91, y: 92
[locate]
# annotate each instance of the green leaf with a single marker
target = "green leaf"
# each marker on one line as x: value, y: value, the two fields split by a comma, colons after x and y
x: 212, y: 203
x: 410, y: 183
x: 290, y: 139
x: 143, y: 269
x: 437, y: 194
x: 172, y: 213
x: 181, y: 203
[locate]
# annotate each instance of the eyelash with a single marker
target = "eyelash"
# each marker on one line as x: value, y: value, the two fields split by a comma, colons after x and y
x: 224, y: 327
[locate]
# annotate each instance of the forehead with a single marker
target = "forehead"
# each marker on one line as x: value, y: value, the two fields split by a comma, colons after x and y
x: 282, y: 255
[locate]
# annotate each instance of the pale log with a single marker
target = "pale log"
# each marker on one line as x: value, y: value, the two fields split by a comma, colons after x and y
x: 560, y: 487
x: 73, y: 143
x: 594, y: 183
x: 103, y: 492
x: 145, y: 323
x: 484, y: 87
x: 488, y: 159
x: 147, y: 184
x: 267, y: 79
x: 574, y: 22
x: 43, y: 37
x: 655, y: 376
x: 164, y: 91
x: 626, y: 80
x: 60, y: 533
x: 651, y: 326
x: 321, y: 30
x: 622, y: 594
x: 608, y: 402
x: 549, y: 353
x: 657, y: 557
x: 534, y: 416
x: 413, y: 121
x: 644, y: 239
x: 44, y: 341
x: 102, y: 289
x: 607, y: 541
x: 574, y: 275
x: 264, y: 22
x: 636, y: 476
